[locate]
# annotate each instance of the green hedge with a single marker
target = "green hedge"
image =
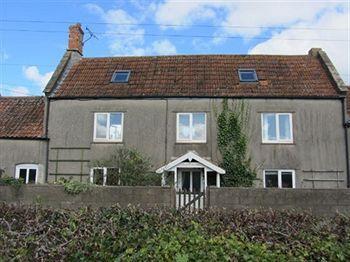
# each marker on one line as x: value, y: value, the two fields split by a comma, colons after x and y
x: 130, y: 234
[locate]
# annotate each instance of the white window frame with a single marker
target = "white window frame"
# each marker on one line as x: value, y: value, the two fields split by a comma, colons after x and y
x: 178, y: 139
x: 105, y: 173
x: 279, y: 175
x: 107, y: 139
x: 27, y: 167
x: 278, y: 140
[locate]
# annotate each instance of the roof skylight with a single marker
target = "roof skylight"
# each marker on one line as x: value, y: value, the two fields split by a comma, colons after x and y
x: 247, y: 75
x: 121, y: 76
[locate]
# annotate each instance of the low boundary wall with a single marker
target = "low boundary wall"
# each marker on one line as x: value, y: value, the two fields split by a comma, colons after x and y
x: 55, y: 196
x: 316, y: 201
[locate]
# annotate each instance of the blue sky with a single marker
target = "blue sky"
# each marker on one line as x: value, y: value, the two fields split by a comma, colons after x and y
x: 28, y: 55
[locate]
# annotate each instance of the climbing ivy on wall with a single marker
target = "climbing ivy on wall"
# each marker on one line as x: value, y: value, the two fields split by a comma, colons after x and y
x: 232, y: 143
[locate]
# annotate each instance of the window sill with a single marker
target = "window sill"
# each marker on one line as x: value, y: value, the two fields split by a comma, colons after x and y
x: 278, y: 143
x: 107, y: 142
x: 189, y: 142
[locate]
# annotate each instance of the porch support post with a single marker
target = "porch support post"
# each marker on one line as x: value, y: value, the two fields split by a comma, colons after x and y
x: 163, y: 179
x: 175, y: 178
x: 205, y: 178
x: 217, y: 180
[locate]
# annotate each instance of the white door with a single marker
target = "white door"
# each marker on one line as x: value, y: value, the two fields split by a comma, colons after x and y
x: 191, y: 180
x: 190, y: 185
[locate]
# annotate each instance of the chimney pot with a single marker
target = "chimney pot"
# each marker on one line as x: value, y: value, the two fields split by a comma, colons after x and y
x: 76, y: 35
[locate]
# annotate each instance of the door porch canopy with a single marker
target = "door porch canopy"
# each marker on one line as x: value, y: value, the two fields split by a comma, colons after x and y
x: 190, y: 160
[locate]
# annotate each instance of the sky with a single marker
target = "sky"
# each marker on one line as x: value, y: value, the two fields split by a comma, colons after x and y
x: 34, y: 33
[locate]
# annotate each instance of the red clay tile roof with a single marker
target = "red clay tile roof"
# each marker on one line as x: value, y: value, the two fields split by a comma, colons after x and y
x: 21, y: 117
x: 198, y: 76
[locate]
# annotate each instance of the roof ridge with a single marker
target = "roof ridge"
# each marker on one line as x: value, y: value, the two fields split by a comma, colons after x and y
x: 193, y: 55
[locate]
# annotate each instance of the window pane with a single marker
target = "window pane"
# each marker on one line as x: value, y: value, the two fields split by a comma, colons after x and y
x: 284, y: 127
x: 247, y: 75
x: 97, y: 177
x: 23, y: 174
x: 271, y: 179
x: 115, y: 129
x: 287, y: 180
x: 198, y: 131
x: 196, y: 181
x: 186, y: 181
x: 269, y: 127
x: 121, y: 77
x: 101, y: 126
x: 184, y: 127
x: 113, y: 178
x: 32, y: 176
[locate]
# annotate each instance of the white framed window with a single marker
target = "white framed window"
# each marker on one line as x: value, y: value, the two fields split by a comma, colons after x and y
x: 27, y: 172
x: 279, y: 178
x: 277, y: 128
x: 108, y: 127
x: 105, y: 176
x: 191, y: 127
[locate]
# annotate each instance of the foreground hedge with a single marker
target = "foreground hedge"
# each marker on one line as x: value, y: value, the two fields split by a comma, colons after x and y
x: 34, y: 233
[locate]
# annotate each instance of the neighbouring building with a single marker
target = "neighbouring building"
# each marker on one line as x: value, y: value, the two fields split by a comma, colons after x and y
x: 23, y: 144
x: 165, y: 107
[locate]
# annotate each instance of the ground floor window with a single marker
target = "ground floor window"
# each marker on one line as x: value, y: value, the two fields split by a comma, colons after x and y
x: 279, y: 178
x: 105, y: 176
x: 27, y: 172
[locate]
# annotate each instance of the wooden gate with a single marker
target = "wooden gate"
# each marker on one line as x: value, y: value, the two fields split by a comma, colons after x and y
x: 186, y: 200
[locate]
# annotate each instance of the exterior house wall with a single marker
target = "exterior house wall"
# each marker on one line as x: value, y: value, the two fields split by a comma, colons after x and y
x: 150, y: 127
x: 14, y: 152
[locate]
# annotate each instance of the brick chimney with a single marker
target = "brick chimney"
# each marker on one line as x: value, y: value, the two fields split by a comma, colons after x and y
x: 76, y: 35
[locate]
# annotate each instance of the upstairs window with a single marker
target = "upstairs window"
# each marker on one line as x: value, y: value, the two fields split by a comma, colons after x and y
x: 279, y: 178
x: 247, y: 75
x: 108, y: 127
x: 191, y: 128
x: 121, y: 76
x: 28, y: 173
x: 277, y: 128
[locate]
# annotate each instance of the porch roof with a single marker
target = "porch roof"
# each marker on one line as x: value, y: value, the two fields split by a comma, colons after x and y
x: 190, y: 156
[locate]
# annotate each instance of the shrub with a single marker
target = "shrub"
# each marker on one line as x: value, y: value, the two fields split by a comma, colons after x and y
x: 11, y: 181
x: 73, y: 187
x: 130, y: 168
x: 131, y: 234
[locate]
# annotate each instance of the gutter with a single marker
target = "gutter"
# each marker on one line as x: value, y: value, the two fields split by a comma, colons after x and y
x: 24, y: 138
x: 191, y: 97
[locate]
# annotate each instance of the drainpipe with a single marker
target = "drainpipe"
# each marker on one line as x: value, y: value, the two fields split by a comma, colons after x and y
x: 346, y: 126
x: 46, y: 125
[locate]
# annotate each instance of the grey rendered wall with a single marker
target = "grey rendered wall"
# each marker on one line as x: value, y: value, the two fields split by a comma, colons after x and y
x: 318, y: 201
x: 150, y: 126
x: 14, y: 152
x: 55, y: 196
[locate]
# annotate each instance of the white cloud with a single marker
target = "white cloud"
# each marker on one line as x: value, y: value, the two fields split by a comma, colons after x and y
x: 19, y: 91
x: 337, y: 51
x: 181, y: 12
x: 163, y: 47
x: 255, y: 18
x: 32, y: 73
x: 128, y: 38
x: 4, y: 56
